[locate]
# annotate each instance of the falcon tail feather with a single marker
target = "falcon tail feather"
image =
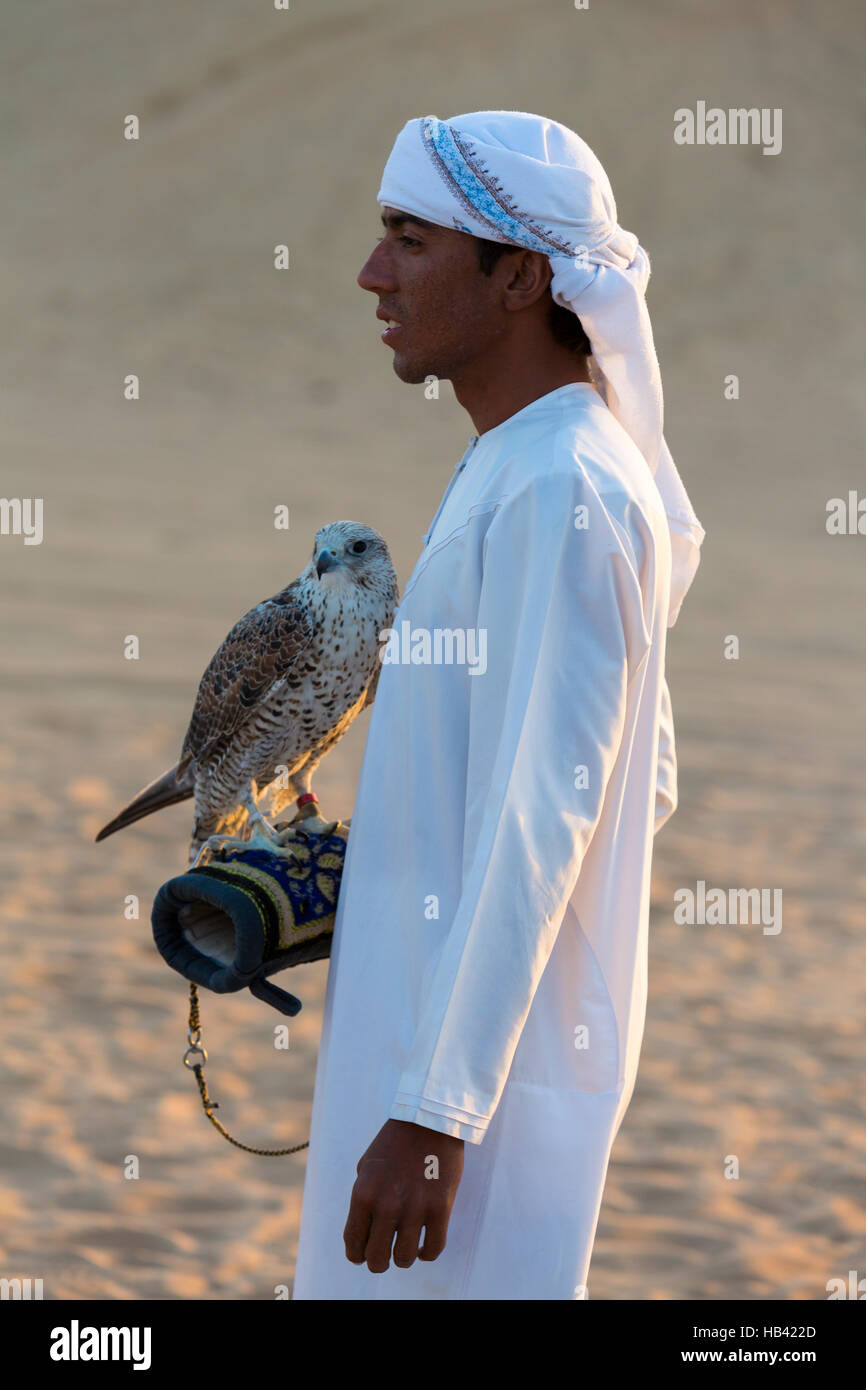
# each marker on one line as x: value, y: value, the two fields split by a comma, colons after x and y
x: 164, y: 791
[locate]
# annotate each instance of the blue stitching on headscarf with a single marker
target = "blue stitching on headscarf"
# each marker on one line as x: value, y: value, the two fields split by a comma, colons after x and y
x: 450, y: 181
x: 473, y: 192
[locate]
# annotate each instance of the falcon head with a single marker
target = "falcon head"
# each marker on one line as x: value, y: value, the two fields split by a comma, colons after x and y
x: 349, y: 551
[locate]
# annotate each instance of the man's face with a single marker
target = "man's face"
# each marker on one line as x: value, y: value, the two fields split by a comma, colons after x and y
x: 448, y: 313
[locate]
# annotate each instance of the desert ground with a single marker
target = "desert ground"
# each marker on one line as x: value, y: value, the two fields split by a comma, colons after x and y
x: 259, y: 388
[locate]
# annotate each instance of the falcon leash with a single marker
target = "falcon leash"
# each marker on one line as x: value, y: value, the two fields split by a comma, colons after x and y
x: 195, y: 1049
x: 257, y: 907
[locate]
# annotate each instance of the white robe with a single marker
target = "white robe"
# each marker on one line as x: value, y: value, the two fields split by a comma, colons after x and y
x: 493, y: 914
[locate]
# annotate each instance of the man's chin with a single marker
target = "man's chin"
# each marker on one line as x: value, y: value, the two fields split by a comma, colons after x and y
x: 410, y: 372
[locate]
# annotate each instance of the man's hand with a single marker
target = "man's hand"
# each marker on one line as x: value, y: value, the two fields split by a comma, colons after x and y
x: 400, y: 1188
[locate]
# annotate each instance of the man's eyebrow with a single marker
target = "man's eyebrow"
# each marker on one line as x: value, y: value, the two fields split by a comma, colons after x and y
x: 395, y: 220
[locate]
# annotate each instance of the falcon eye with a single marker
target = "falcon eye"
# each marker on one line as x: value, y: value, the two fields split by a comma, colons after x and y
x: 359, y: 547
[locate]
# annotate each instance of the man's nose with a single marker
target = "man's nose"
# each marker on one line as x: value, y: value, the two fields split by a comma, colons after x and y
x: 377, y: 273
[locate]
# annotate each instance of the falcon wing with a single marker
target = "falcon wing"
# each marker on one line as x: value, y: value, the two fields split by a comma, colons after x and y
x: 371, y: 688
x: 260, y: 650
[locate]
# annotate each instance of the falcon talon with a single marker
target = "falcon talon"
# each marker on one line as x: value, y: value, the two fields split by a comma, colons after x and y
x: 212, y: 848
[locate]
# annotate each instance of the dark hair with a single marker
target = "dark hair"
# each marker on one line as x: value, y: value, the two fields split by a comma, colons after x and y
x: 565, y: 326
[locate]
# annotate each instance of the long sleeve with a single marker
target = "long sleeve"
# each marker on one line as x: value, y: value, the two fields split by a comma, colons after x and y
x: 666, y: 783
x: 565, y: 633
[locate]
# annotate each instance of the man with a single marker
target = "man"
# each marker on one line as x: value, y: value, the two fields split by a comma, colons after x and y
x: 487, y: 987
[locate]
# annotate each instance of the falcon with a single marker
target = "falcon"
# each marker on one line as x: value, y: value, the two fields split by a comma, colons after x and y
x: 289, y: 679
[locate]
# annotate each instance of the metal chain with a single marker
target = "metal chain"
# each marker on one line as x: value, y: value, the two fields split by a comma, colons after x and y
x: 195, y: 1049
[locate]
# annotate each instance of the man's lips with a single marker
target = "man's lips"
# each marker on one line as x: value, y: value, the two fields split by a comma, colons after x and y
x: 393, y: 325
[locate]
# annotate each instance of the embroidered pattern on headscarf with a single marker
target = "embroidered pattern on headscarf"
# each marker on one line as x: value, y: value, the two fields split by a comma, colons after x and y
x: 452, y: 184
x: 481, y: 194
x: 507, y: 203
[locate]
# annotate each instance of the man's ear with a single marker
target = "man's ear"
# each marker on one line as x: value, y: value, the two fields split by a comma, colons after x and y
x: 528, y: 278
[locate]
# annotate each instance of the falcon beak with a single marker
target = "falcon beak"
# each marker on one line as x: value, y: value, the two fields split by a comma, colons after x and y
x: 326, y: 561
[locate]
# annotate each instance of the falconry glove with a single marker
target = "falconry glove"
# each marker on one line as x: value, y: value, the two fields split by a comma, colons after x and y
x: 257, y: 907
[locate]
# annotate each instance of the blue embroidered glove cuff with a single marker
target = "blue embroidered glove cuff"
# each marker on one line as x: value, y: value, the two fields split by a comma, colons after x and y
x: 254, y: 910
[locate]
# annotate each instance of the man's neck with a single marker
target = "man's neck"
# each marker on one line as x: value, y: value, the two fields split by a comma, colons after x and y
x: 496, y: 391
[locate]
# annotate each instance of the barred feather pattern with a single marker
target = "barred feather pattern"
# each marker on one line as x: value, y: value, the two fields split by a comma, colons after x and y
x: 288, y: 681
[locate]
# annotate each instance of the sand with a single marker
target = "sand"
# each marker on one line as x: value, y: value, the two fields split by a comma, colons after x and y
x: 260, y: 388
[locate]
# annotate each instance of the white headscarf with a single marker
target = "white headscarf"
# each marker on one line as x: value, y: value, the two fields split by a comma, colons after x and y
x: 528, y: 181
